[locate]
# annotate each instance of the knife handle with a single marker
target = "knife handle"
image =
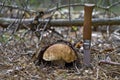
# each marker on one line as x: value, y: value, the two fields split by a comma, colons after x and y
x: 87, y: 30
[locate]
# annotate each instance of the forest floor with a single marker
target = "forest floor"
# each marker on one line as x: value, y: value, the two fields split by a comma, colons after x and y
x: 16, y: 59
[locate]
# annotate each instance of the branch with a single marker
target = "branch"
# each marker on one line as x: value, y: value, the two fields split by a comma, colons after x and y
x: 16, y: 7
x: 64, y: 6
x: 56, y: 8
x: 79, y: 4
x: 114, y: 4
x: 4, y: 22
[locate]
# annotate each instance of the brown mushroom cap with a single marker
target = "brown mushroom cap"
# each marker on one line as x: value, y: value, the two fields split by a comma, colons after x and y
x: 60, y: 51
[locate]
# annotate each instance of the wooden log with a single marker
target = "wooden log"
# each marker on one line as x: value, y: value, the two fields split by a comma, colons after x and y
x: 4, y: 22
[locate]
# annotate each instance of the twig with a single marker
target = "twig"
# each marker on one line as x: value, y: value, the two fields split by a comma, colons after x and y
x: 109, y: 62
x: 16, y: 7
x: 97, y: 74
x: 78, y: 71
x: 3, y: 5
x: 78, y: 4
x: 56, y: 32
x: 114, y: 4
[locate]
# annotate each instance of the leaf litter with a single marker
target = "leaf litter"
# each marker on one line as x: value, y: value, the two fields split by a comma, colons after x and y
x: 16, y: 64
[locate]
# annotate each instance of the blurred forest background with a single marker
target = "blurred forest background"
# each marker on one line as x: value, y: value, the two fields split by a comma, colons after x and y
x: 52, y: 3
x: 111, y: 6
x: 47, y: 4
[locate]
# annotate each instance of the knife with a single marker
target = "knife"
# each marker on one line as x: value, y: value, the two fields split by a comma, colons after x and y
x: 87, y: 31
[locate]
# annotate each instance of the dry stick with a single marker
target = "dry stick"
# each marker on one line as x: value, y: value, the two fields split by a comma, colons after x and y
x: 109, y: 62
x: 16, y: 7
x: 114, y: 4
x: 3, y: 5
x: 56, y: 8
x: 79, y: 4
x: 87, y: 31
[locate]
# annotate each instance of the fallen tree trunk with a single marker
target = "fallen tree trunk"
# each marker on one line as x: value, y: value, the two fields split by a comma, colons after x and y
x: 4, y: 22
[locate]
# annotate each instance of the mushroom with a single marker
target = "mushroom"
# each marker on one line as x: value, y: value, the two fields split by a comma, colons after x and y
x: 60, y: 51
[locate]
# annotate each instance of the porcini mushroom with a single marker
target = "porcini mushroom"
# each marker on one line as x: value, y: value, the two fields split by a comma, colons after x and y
x: 60, y: 51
